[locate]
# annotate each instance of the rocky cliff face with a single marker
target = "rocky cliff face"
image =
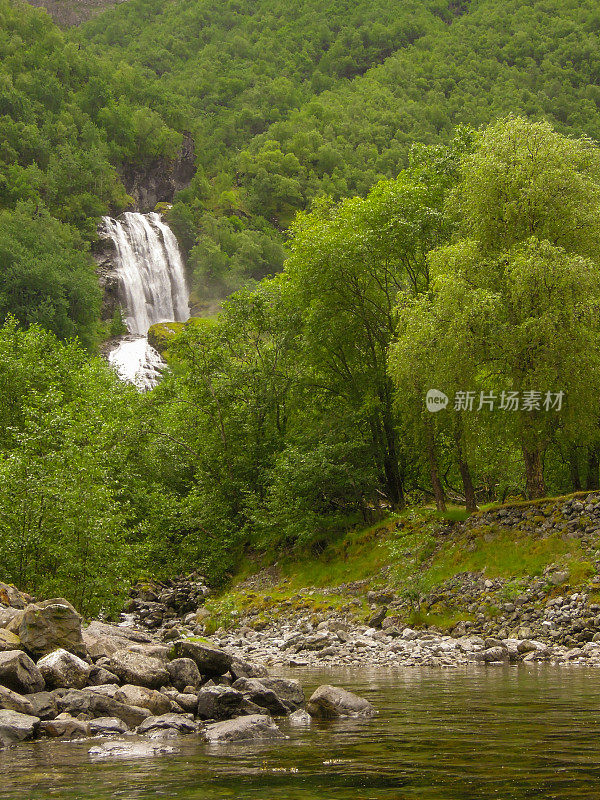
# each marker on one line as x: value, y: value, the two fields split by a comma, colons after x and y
x: 158, y: 182
x: 105, y: 254
x: 68, y: 13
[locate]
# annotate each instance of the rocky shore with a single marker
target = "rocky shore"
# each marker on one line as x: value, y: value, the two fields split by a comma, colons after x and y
x: 61, y: 680
x: 553, y: 617
x: 158, y: 674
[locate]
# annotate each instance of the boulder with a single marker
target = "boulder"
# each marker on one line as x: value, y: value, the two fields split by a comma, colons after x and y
x: 103, y: 641
x: 187, y: 701
x: 107, y: 726
x: 287, y: 689
x: 140, y: 696
x: 103, y: 629
x: 44, y: 704
x: 65, y: 727
x: 7, y: 615
x: 328, y: 702
x: 210, y: 660
x: 61, y: 669
x: 13, y: 701
x: 93, y: 704
x: 243, y: 729
x: 12, y: 597
x: 376, y: 620
x: 101, y: 677
x: 255, y: 691
x: 105, y: 689
x: 49, y: 625
x: 300, y: 717
x: 218, y: 702
x: 19, y: 673
x: 16, y: 727
x: 167, y: 723
x: 184, y: 672
x: 130, y: 750
x: 492, y: 654
x: 9, y: 641
x: 244, y: 669
x: 138, y: 669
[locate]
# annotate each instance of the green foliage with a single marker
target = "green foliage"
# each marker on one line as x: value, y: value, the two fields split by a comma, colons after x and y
x: 67, y: 120
x: 46, y: 275
x: 62, y: 520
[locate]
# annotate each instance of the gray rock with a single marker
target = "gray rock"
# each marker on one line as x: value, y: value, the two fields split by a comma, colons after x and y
x: 107, y: 726
x: 244, y: 729
x: 101, y: 677
x: 492, y: 654
x: 142, y: 697
x: 287, y: 689
x: 49, y: 625
x: 103, y: 641
x: 328, y: 702
x: 9, y: 641
x: 13, y: 701
x: 210, y: 660
x: 130, y: 750
x: 61, y: 669
x: 19, y: 673
x: 65, y: 727
x: 94, y: 704
x: 558, y: 578
x: 300, y: 717
x: 139, y: 670
x: 7, y: 615
x: 218, y: 702
x: 255, y: 691
x: 187, y: 701
x: 244, y: 669
x: 15, y: 727
x: 177, y: 723
x: 377, y: 618
x: 44, y: 704
x: 184, y: 672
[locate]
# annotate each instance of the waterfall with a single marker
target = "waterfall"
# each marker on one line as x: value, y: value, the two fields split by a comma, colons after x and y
x: 151, y: 289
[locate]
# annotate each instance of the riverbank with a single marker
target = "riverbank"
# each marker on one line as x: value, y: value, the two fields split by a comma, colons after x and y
x: 519, y: 582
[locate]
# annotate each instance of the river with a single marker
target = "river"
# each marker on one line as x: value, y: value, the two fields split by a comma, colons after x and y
x: 496, y: 732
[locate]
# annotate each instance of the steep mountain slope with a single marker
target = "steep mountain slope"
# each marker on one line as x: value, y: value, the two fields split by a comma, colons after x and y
x: 291, y: 102
x: 68, y: 121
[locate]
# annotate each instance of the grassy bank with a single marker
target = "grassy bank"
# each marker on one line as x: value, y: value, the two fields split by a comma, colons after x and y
x: 413, y: 554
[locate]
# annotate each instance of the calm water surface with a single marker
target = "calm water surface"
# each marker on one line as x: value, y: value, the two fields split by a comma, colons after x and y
x: 506, y: 732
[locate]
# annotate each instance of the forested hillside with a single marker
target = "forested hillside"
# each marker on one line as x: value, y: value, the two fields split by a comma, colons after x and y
x: 295, y: 102
x: 407, y: 194
x: 67, y: 121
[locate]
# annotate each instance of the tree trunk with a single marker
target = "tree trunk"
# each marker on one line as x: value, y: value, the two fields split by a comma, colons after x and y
x: 574, y: 469
x: 463, y: 466
x: 393, y: 478
x: 593, y: 468
x: 534, y: 475
x: 438, y: 489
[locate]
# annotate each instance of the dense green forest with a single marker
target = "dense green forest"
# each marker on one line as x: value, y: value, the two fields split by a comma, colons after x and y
x: 292, y: 102
x: 405, y: 197
x: 67, y: 121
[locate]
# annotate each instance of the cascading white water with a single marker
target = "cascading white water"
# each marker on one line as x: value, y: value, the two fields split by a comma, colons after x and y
x: 151, y: 289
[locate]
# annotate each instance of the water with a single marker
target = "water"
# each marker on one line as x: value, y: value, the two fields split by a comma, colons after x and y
x: 137, y: 362
x: 152, y: 289
x: 506, y: 732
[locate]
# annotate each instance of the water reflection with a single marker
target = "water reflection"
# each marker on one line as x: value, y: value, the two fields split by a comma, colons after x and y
x: 514, y: 732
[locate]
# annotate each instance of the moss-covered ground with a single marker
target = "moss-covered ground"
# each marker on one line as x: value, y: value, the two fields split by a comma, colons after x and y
x: 412, y: 553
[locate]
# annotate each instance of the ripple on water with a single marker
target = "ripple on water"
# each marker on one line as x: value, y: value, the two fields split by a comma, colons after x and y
x: 507, y: 732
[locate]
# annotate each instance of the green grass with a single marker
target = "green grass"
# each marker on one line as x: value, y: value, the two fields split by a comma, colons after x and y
x: 502, y: 554
x: 413, y: 551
